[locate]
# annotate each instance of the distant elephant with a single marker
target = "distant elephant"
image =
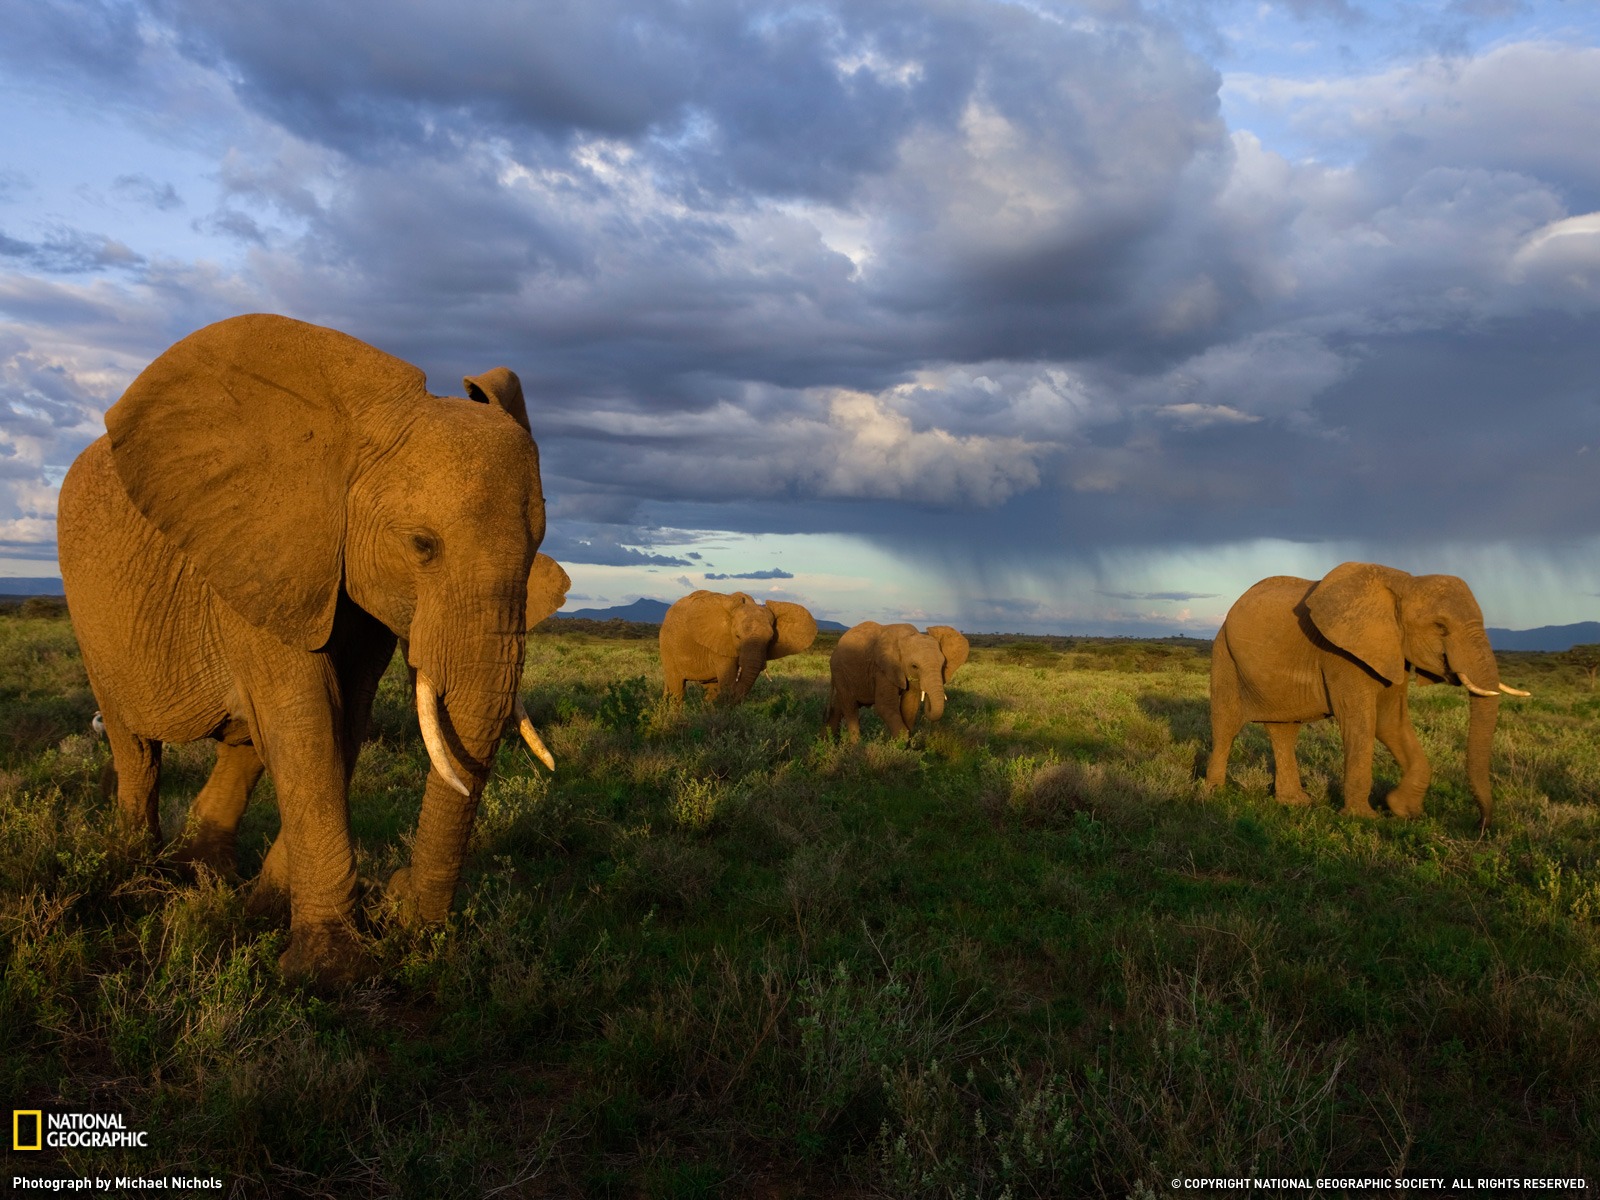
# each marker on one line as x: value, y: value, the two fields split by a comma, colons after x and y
x: 273, y: 506
x: 724, y: 641
x: 895, y: 669
x: 211, y: 835
x: 1293, y: 650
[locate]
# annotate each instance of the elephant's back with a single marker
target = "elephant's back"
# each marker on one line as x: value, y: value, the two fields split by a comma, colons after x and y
x: 1275, y: 594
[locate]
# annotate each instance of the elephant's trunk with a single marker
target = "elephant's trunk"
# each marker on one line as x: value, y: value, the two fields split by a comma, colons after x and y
x: 1485, y: 712
x: 473, y: 710
x: 752, y: 661
x: 933, y: 702
x: 1474, y: 664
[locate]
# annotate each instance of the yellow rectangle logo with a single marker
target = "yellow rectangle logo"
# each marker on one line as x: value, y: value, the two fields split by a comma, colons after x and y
x: 27, y: 1129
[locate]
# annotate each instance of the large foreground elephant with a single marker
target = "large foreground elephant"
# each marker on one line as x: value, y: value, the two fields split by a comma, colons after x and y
x: 1293, y: 650
x: 895, y: 669
x: 211, y: 836
x: 724, y: 641
x: 274, y: 505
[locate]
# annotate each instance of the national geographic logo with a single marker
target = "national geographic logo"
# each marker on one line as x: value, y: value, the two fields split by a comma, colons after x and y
x: 40, y: 1129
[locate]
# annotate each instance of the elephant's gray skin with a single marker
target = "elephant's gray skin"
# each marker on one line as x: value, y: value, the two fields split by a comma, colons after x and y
x: 723, y: 641
x: 1297, y: 650
x: 273, y: 506
x: 895, y: 669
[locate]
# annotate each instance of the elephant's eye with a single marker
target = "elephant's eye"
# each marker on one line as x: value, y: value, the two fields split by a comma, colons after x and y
x: 426, y: 546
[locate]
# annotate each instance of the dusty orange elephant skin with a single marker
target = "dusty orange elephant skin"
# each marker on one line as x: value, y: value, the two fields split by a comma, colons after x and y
x: 1297, y: 650
x: 897, y: 669
x: 274, y: 504
x: 723, y: 641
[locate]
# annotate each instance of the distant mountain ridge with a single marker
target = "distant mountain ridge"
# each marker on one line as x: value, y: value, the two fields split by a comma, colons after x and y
x: 652, y: 611
x: 1546, y: 637
x: 43, y: 585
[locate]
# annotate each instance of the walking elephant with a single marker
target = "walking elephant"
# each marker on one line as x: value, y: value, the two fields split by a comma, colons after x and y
x: 1296, y: 650
x: 724, y: 641
x: 211, y: 835
x: 895, y: 669
x: 273, y: 506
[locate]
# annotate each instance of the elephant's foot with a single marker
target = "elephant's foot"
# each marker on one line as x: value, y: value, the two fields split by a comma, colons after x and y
x: 328, y: 956
x: 1403, y: 804
x: 267, y: 901
x: 1364, y: 810
x: 411, y: 904
x: 1296, y: 799
x: 209, y: 848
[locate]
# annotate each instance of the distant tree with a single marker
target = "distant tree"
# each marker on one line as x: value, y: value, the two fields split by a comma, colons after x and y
x: 1587, y: 657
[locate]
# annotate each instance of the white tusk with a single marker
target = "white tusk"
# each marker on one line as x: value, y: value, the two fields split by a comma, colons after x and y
x: 924, y: 697
x: 531, y: 736
x: 98, y: 724
x: 1474, y: 688
x: 1511, y: 691
x: 433, y: 736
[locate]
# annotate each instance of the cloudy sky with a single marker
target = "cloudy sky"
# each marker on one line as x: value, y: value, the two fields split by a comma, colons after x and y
x: 1029, y: 315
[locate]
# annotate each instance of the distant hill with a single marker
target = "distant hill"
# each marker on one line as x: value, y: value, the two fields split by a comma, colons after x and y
x: 642, y: 609
x: 31, y: 586
x: 1546, y: 637
x: 651, y: 612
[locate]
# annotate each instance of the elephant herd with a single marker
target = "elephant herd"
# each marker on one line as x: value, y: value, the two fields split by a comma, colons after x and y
x: 276, y: 507
x: 723, y: 642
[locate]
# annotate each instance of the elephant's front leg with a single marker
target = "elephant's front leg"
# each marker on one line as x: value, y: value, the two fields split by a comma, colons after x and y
x: 211, y: 836
x: 1395, y: 731
x: 886, y: 702
x: 1286, y: 767
x: 727, y: 678
x: 1358, y: 727
x: 296, y: 723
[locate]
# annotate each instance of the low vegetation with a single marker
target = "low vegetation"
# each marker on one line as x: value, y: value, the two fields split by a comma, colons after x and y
x: 717, y: 954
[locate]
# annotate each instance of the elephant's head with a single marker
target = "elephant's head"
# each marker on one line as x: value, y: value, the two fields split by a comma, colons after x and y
x: 301, y: 470
x: 736, y: 626
x: 922, y: 662
x: 1387, y: 619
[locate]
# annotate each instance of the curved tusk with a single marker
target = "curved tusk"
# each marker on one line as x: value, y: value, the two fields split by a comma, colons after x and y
x: 531, y: 736
x: 1511, y: 691
x: 1474, y: 688
x: 98, y: 724
x: 433, y: 735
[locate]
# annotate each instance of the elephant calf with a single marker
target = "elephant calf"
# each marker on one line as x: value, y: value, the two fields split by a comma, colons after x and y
x: 724, y: 641
x: 894, y: 668
x: 1293, y: 650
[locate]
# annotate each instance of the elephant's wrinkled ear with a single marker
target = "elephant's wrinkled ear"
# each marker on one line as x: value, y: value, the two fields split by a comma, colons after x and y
x: 547, y: 588
x: 794, y: 628
x: 888, y: 654
x: 953, y: 645
x: 1354, y: 609
x: 710, y: 622
x: 501, y: 388
x: 238, y: 443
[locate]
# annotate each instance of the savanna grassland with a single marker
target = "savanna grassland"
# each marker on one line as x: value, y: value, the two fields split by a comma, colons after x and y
x: 717, y: 954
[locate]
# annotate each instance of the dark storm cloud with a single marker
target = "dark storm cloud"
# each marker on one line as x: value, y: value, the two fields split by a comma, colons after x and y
x: 771, y: 573
x: 602, y: 549
x: 987, y: 279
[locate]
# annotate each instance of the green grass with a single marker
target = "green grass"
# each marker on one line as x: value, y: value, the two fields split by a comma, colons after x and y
x: 717, y: 954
